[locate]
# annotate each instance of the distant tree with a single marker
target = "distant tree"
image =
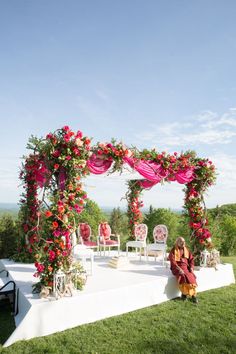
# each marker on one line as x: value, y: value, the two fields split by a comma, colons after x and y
x: 8, y: 236
x: 229, y: 209
x: 228, y: 228
x: 119, y: 225
x: 166, y: 217
x: 116, y: 221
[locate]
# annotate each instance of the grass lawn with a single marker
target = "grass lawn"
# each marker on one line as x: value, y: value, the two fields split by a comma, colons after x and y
x: 173, y: 327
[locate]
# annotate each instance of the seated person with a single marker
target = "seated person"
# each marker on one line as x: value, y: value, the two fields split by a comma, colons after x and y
x: 182, y: 265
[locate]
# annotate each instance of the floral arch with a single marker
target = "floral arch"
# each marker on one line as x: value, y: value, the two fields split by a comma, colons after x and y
x: 52, y: 180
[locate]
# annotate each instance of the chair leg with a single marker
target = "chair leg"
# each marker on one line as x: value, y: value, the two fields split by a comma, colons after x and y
x: 91, y: 260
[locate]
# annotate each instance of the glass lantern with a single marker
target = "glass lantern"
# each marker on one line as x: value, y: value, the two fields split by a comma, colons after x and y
x: 204, y: 257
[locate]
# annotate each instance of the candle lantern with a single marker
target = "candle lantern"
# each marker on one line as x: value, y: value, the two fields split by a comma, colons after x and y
x: 204, y: 257
x: 59, y: 284
x: 214, y: 258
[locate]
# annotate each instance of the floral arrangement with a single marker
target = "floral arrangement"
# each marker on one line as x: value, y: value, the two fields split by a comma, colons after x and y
x: 57, y: 167
x: 134, y: 204
x: 195, y: 207
x: 52, y: 180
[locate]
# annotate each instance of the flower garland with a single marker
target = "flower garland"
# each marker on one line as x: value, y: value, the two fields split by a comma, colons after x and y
x: 195, y: 207
x: 57, y: 166
x: 134, y: 204
x: 60, y: 162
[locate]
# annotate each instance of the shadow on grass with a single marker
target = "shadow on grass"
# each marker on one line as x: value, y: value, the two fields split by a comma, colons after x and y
x: 6, y: 320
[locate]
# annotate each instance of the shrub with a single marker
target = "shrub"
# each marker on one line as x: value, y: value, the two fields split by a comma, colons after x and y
x: 8, y: 236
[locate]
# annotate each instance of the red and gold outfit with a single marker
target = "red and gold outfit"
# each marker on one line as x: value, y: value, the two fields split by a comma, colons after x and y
x: 181, y: 260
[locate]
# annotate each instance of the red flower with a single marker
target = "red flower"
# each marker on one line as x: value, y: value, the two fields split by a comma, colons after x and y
x: 55, y: 225
x: 66, y: 128
x: 48, y: 213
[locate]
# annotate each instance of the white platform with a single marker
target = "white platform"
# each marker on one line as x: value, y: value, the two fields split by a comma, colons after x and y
x: 108, y: 292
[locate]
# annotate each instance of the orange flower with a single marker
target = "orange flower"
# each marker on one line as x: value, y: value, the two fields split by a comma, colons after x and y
x: 48, y: 213
x: 55, y: 225
x: 50, y: 269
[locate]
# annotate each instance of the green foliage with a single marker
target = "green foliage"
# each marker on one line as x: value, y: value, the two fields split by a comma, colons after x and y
x: 229, y: 209
x: 222, y: 223
x: 119, y: 225
x: 21, y: 253
x: 8, y: 236
x: 166, y: 217
x: 228, y: 243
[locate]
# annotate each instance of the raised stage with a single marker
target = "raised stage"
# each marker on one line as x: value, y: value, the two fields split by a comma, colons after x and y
x: 108, y: 292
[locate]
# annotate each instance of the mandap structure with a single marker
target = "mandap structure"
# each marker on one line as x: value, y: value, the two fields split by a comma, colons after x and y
x: 53, y: 191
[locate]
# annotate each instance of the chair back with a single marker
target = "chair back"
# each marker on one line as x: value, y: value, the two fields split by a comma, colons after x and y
x: 140, y: 232
x: 84, y: 231
x: 104, y: 231
x: 160, y: 234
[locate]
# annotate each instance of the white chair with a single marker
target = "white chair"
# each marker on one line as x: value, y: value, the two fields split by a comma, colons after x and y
x: 140, y: 233
x: 85, y: 235
x: 160, y: 235
x: 81, y: 252
x: 105, y: 238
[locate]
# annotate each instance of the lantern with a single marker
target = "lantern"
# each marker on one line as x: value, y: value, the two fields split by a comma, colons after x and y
x: 214, y: 258
x: 204, y: 257
x: 59, y: 284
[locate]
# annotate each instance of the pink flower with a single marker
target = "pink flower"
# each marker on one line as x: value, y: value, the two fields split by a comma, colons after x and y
x: 40, y: 267
x: 79, y: 134
x: 49, y: 136
x: 77, y: 208
x: 56, y: 233
x: 66, y: 128
x: 56, y: 153
x: 52, y: 255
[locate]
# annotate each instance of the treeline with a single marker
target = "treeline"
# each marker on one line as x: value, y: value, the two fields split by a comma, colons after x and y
x: 222, y: 224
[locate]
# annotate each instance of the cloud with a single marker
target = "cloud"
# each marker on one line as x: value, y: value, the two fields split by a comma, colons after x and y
x: 206, y: 128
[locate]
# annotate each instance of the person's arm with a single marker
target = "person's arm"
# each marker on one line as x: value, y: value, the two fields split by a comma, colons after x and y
x: 173, y: 262
x: 191, y: 262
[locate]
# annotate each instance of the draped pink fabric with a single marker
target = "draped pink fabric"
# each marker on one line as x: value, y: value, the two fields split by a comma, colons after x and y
x: 145, y: 183
x: 148, y: 169
x: 62, y: 178
x: 98, y: 165
x: 185, y: 176
x: 41, y: 175
x: 152, y: 171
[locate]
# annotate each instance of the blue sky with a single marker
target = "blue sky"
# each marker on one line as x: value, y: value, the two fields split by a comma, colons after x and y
x: 150, y: 73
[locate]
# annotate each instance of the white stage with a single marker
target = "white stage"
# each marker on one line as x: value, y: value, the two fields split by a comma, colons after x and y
x: 108, y: 292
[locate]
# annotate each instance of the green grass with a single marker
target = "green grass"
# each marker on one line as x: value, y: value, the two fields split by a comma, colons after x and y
x: 172, y: 327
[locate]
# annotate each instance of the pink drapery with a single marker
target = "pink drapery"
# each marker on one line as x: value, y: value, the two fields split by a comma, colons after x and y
x: 148, y: 169
x: 41, y: 175
x: 62, y: 178
x: 152, y: 171
x: 145, y: 183
x: 185, y: 176
x: 98, y: 165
